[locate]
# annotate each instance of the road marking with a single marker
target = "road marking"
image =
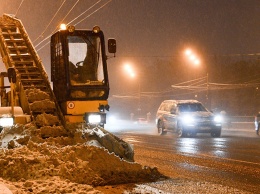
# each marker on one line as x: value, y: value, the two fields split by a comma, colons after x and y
x: 230, y: 159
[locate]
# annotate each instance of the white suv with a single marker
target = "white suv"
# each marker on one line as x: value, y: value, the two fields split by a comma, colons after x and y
x: 187, y: 118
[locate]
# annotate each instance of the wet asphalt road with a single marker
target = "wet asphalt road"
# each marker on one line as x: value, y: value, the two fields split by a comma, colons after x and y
x: 232, y: 160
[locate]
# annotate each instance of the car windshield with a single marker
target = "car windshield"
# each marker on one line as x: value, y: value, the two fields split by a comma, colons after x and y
x: 191, y: 107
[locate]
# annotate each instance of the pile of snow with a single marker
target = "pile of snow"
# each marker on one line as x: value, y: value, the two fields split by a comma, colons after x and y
x: 72, y: 163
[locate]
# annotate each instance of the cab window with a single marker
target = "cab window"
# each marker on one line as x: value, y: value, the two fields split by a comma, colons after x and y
x: 85, y: 61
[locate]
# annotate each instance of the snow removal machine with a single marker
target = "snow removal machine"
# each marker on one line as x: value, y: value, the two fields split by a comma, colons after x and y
x: 78, y: 73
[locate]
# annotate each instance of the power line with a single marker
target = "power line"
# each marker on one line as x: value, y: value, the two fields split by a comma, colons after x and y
x: 47, y: 38
x: 74, y: 20
x: 44, y: 45
x: 217, y: 86
x: 173, y: 56
x: 197, y: 79
x: 83, y: 12
x: 55, y: 28
x: 50, y: 21
x: 19, y: 8
x: 193, y: 90
x: 93, y: 12
x: 156, y: 94
x: 67, y: 14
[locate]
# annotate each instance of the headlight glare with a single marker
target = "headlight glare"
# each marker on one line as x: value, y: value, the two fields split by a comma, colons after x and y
x: 94, y: 118
x: 63, y: 27
x: 188, y: 120
x: 218, y: 119
x: 6, y: 121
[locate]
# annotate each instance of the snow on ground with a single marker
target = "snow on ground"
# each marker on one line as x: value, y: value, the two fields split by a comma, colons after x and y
x: 72, y: 163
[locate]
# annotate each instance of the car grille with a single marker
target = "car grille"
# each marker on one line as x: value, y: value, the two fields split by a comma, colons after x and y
x: 204, y: 121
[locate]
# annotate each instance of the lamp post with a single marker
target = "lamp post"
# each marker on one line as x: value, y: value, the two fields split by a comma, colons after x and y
x: 129, y: 69
x: 193, y: 58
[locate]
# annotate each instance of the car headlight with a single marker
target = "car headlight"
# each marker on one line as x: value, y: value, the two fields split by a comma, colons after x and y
x: 188, y: 120
x: 218, y: 119
x: 6, y: 121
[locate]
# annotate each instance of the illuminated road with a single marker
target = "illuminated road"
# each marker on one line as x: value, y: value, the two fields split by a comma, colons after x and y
x: 232, y: 160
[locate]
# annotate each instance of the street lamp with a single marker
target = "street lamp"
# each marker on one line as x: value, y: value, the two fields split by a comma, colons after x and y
x: 194, y: 59
x: 128, y: 68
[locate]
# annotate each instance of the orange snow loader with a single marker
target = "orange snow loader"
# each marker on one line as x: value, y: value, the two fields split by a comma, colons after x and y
x: 79, y: 75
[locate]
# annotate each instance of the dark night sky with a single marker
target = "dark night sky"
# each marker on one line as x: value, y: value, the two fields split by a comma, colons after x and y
x: 155, y: 27
x: 151, y: 28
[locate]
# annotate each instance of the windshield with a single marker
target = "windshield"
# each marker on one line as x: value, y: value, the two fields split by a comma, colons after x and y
x: 191, y: 107
x: 85, y: 61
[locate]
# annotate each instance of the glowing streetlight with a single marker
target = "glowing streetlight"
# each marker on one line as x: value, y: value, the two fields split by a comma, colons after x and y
x: 128, y: 68
x: 188, y: 52
x: 197, y: 62
x: 192, y: 57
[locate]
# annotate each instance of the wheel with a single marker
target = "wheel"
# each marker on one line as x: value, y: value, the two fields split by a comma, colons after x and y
x: 160, y: 127
x: 180, y: 131
x: 216, y: 133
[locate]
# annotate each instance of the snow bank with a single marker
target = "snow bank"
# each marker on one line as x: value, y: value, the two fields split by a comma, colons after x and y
x: 81, y: 157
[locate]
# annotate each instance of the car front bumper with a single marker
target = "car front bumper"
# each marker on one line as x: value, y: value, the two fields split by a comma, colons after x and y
x: 202, y: 128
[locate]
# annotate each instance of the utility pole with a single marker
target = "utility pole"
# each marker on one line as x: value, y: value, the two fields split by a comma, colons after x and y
x: 139, y: 98
x: 208, y: 97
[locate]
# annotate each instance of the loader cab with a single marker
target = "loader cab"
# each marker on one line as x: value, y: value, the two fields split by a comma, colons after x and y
x: 79, y: 70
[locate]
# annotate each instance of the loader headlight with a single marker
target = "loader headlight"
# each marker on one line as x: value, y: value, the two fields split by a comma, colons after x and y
x: 71, y: 29
x: 95, y: 118
x: 96, y: 29
x: 6, y: 121
x: 63, y: 27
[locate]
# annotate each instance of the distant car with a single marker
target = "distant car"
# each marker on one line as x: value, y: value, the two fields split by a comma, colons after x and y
x: 187, y: 118
x: 141, y: 121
